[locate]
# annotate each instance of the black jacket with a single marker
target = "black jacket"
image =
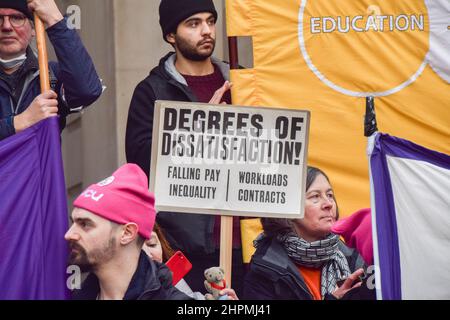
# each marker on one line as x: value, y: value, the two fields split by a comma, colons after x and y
x: 273, y: 275
x: 159, y: 85
x: 192, y: 234
x: 76, y: 81
x: 151, y: 281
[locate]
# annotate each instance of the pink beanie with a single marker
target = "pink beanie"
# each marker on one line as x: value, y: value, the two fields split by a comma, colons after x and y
x: 357, y: 233
x: 122, y: 198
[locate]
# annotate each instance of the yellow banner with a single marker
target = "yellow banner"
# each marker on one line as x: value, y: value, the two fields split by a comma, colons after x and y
x: 326, y: 56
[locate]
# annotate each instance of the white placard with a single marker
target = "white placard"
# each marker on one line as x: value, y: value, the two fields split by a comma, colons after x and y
x: 229, y: 160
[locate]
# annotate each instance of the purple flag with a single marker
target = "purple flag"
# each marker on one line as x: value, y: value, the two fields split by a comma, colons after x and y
x: 33, y: 215
x: 411, y: 206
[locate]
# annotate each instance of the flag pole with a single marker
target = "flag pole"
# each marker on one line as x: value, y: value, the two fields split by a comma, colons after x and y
x: 42, y: 53
x: 370, y: 118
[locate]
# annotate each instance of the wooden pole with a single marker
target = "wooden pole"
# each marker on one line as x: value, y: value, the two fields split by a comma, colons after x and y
x: 42, y: 53
x: 226, y: 246
x: 226, y: 223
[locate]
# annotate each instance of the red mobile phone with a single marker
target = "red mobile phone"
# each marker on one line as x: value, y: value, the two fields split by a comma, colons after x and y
x: 179, y: 265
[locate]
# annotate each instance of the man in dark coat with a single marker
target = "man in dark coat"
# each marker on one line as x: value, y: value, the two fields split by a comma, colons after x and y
x: 190, y: 73
x: 75, y: 83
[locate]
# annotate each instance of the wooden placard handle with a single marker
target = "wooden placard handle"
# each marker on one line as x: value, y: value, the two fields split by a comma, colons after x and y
x: 226, y: 246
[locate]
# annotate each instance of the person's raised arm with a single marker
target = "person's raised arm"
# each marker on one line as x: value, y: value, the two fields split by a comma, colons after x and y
x: 78, y: 84
x: 47, y: 11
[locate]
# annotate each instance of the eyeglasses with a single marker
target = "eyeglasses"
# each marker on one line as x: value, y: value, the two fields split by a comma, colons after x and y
x: 16, y: 20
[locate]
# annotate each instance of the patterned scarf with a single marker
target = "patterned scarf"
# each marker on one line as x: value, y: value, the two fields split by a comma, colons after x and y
x: 323, y: 253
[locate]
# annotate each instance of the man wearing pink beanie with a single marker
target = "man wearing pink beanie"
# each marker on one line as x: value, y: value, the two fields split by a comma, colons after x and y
x: 111, y: 220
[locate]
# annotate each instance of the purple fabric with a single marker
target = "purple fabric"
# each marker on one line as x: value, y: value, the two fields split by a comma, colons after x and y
x: 388, y: 250
x: 33, y: 215
x: 396, y: 147
x: 388, y: 247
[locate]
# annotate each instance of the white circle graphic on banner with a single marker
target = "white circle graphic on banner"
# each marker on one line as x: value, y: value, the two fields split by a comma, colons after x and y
x: 365, y: 48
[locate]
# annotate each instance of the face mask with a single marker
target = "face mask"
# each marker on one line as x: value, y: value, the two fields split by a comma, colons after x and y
x: 12, y: 63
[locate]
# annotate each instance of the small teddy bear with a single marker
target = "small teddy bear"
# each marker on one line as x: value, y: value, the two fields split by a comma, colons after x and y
x: 214, y: 283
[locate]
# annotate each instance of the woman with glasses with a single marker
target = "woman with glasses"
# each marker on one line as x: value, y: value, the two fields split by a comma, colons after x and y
x: 301, y: 259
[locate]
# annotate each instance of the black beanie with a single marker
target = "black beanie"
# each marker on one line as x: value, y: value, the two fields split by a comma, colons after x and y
x: 19, y: 5
x: 172, y: 12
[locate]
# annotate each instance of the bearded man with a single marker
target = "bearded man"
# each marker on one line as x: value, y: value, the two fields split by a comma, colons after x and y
x: 189, y: 74
x: 111, y: 221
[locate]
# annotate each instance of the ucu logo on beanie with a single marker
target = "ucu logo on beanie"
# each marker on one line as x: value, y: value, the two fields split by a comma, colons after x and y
x: 92, y: 194
x: 122, y: 198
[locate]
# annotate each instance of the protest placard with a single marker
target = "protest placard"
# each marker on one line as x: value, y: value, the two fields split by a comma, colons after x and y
x: 229, y: 160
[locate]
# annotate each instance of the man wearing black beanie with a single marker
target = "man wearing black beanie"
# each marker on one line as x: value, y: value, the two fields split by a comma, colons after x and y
x: 188, y: 74
x: 75, y: 80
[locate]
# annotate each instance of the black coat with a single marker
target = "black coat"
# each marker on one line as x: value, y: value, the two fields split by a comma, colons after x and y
x: 192, y: 234
x: 273, y: 275
x: 158, y: 85
x: 151, y: 281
